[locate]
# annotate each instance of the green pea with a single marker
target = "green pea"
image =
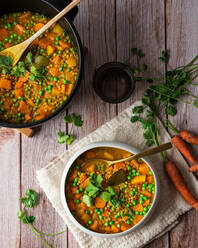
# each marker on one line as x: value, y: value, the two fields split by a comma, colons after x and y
x: 134, y: 202
x: 19, y: 114
x: 150, y: 173
x: 54, y: 54
x: 50, y: 86
x: 121, y: 188
x: 86, y: 211
x: 55, y: 79
x: 144, y: 212
x: 135, y: 189
x: 79, y: 173
x: 149, y: 190
x: 65, y: 81
x: 145, y: 209
x: 19, y: 37
x: 150, y: 186
x: 123, y: 199
x: 14, y: 14
x: 14, y: 23
x: 77, y: 191
x: 153, y: 192
x: 144, y: 184
x: 128, y: 222
x: 61, y: 69
x: 118, y: 225
x: 128, y: 168
x: 145, y: 198
x: 38, y: 101
x: 127, y: 205
x: 1, y: 102
x: 117, y: 215
x: 50, y: 91
x: 77, y: 201
x: 46, y: 88
x: 137, y: 173
x: 106, y: 224
x: 137, y: 212
x: 9, y: 25
x: 111, y: 223
x: 40, y: 92
x: 141, y: 213
x: 90, y: 222
x: 101, y: 210
x: 15, y: 35
x: 57, y: 42
x: 22, y: 99
x: 100, y: 217
x: 68, y: 70
x: 134, y: 171
x: 74, y: 184
x: 6, y: 26
x: 130, y: 173
x: 129, y: 177
x: 2, y: 109
x: 76, y: 179
x: 14, y: 100
x: 141, y: 201
x: 81, y: 189
x: 42, y: 50
x: 77, y: 167
x: 57, y: 38
x: 132, y: 193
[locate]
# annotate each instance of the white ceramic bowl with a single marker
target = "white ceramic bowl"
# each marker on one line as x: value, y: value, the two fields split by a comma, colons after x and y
x: 114, y: 145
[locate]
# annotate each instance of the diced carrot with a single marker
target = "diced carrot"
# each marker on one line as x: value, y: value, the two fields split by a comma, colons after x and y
x: 44, y: 42
x: 138, y: 179
x: 71, y: 205
x: 3, y: 33
x: 74, y: 189
x: 23, y: 107
x: 85, y: 183
x: 146, y: 193
x: 94, y: 226
x: 69, y: 89
x: 50, y: 50
x: 114, y: 229
x: 135, y: 162
x: 99, y: 202
x: 85, y: 217
x: 72, y: 62
x: 30, y: 102
x: 105, y: 213
x: 55, y: 91
x: 137, y: 219
x: 7, y: 45
x: 39, y: 117
x: 5, y: 84
x: 146, y: 203
x: 51, y: 35
x: 143, y: 168
x: 28, y: 117
x: 108, y: 229
x: 54, y: 71
x: 64, y: 44
x: 69, y: 76
x: 138, y: 208
x: 90, y: 155
x: 19, y: 84
x: 119, y: 166
x: 63, y: 88
x: 19, y: 29
x: 57, y: 59
x: 38, y: 26
x: 150, y: 179
x: 91, y: 168
x: 82, y: 177
x: 124, y: 227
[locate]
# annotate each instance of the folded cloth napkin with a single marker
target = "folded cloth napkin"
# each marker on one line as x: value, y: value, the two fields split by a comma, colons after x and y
x: 170, y: 205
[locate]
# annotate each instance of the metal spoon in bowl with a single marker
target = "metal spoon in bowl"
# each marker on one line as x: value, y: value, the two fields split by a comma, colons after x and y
x: 15, y: 52
x: 120, y: 176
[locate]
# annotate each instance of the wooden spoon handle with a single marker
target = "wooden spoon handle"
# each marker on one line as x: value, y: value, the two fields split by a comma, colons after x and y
x: 53, y: 20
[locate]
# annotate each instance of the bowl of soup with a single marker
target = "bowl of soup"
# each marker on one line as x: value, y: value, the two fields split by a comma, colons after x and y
x: 109, y: 211
x: 45, y: 79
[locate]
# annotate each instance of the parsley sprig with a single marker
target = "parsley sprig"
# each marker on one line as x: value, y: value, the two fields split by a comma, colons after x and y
x: 74, y: 120
x: 30, y: 201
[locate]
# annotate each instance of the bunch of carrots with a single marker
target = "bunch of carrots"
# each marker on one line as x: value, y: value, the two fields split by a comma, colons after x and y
x: 173, y: 171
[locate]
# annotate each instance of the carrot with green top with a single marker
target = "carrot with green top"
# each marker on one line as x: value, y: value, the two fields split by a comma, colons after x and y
x: 182, y: 147
x: 179, y: 183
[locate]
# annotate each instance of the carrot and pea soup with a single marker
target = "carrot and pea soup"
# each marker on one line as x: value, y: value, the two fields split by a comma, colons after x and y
x: 44, y: 77
x: 109, y: 209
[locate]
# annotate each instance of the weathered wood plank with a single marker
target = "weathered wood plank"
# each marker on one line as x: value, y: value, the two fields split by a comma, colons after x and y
x: 96, y: 25
x: 36, y: 153
x: 182, y: 42
x: 10, y: 188
x: 141, y: 25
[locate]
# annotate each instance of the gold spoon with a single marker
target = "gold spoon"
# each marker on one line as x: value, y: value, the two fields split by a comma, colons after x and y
x: 15, y: 52
x: 147, y: 152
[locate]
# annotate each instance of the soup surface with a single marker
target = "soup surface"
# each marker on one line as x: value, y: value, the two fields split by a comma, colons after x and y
x: 109, y: 209
x: 45, y: 76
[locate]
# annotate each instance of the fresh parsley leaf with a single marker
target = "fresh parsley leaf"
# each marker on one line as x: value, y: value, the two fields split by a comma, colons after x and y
x: 19, y: 69
x: 149, y: 80
x: 69, y: 140
x: 105, y: 196
x: 196, y: 103
x: 137, y: 52
x: 115, y: 201
x: 134, y: 118
x: 29, y: 58
x: 111, y: 190
x: 5, y: 60
x: 149, y: 142
x: 87, y: 200
x: 69, y: 118
x: 137, y: 110
x: 164, y: 58
x: 147, y: 135
x: 30, y: 200
x: 78, y: 122
x: 62, y: 139
x: 99, y: 180
x: 143, y: 67
x: 20, y: 214
x: 28, y: 219
x: 91, y: 189
x: 171, y: 110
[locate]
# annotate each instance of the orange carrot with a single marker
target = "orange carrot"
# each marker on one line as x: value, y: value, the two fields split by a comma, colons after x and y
x: 194, y: 168
x: 179, y: 183
x: 99, y: 202
x: 182, y: 147
x: 189, y: 137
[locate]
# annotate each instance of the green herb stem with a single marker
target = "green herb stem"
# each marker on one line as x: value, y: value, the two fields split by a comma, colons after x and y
x: 172, y: 127
x: 50, y: 234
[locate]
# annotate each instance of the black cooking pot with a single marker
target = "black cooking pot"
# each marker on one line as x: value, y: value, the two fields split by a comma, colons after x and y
x: 49, y: 8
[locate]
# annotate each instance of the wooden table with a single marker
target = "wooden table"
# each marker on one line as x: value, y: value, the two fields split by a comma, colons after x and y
x: 109, y: 28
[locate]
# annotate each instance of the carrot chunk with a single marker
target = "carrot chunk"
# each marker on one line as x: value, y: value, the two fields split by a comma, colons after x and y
x: 99, y: 202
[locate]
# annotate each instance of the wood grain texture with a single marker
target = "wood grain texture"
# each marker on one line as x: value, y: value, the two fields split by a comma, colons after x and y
x: 9, y: 188
x: 182, y: 40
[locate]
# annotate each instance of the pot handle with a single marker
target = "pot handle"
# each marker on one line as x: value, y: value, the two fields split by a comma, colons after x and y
x: 60, y: 4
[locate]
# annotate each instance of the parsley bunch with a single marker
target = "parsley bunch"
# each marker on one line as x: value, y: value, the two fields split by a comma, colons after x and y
x: 163, y: 94
x: 74, y: 120
x: 28, y: 202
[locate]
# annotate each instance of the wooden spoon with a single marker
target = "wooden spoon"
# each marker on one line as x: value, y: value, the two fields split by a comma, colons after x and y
x: 147, y: 152
x: 15, y: 52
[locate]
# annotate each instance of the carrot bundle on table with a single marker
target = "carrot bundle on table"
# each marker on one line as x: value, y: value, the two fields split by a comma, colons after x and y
x: 179, y: 183
x: 189, y: 137
x: 182, y: 147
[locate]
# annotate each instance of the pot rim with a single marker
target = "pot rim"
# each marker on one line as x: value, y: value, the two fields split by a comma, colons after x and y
x: 114, y: 145
x: 78, y: 80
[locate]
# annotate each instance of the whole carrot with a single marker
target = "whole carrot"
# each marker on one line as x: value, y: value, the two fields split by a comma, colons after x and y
x: 194, y: 168
x: 179, y: 183
x: 182, y: 147
x: 189, y: 137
